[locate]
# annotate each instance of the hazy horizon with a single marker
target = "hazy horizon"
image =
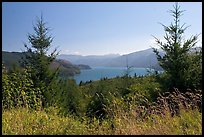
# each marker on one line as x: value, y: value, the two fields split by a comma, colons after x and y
x: 96, y: 28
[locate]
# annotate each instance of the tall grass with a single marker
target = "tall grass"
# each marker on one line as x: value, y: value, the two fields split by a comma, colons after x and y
x: 23, y: 121
x: 188, y: 123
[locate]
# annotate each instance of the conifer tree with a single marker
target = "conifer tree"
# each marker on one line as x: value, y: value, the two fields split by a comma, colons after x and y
x: 37, y: 57
x: 182, y: 67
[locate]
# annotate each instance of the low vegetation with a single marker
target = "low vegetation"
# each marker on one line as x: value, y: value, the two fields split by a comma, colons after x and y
x: 101, y: 107
x: 49, y: 121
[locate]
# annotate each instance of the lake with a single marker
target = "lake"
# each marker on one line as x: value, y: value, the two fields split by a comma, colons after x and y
x: 96, y: 73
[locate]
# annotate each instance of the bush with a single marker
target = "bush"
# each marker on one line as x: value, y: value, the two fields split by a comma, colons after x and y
x: 147, y: 87
x: 18, y: 90
x: 69, y: 97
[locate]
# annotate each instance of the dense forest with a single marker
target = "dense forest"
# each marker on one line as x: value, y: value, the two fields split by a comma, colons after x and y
x: 35, y: 100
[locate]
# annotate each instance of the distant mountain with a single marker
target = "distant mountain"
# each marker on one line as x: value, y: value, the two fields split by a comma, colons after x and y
x: 92, y: 60
x: 66, y: 68
x: 143, y: 59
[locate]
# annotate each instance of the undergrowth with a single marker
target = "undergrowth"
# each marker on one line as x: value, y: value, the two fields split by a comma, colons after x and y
x: 23, y: 121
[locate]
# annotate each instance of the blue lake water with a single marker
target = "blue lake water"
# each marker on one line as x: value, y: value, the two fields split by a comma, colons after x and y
x: 96, y: 73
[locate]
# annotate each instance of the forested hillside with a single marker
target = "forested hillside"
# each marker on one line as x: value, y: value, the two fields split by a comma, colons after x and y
x: 66, y: 68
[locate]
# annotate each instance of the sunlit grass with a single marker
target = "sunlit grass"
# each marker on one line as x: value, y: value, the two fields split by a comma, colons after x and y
x: 188, y: 123
x: 22, y: 121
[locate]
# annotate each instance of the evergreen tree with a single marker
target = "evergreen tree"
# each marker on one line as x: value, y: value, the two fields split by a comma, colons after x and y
x: 37, y: 57
x: 182, y: 68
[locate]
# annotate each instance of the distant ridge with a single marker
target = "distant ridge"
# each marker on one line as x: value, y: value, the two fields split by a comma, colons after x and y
x: 142, y: 59
x: 91, y: 60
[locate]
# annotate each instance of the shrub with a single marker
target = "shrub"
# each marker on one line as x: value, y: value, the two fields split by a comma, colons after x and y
x: 18, y: 90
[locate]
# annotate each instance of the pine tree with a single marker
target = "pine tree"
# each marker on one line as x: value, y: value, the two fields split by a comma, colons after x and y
x: 178, y: 59
x: 37, y: 57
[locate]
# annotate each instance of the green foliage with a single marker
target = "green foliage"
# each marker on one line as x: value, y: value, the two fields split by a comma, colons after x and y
x: 182, y: 68
x: 193, y: 75
x: 147, y: 87
x: 108, y: 111
x: 100, y: 100
x: 18, y: 90
x: 68, y: 97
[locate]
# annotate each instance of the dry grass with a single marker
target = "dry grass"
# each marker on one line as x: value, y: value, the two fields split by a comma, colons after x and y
x: 23, y: 122
x: 188, y: 123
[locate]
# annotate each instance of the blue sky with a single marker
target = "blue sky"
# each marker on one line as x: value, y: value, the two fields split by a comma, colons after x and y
x: 96, y: 28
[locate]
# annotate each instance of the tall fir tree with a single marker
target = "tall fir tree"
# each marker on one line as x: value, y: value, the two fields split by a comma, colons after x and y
x: 38, y: 60
x: 183, y: 68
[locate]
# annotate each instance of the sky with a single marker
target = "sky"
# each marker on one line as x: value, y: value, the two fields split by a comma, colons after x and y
x: 96, y: 28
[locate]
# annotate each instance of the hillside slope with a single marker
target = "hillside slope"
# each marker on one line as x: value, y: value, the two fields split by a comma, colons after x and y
x: 9, y: 59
